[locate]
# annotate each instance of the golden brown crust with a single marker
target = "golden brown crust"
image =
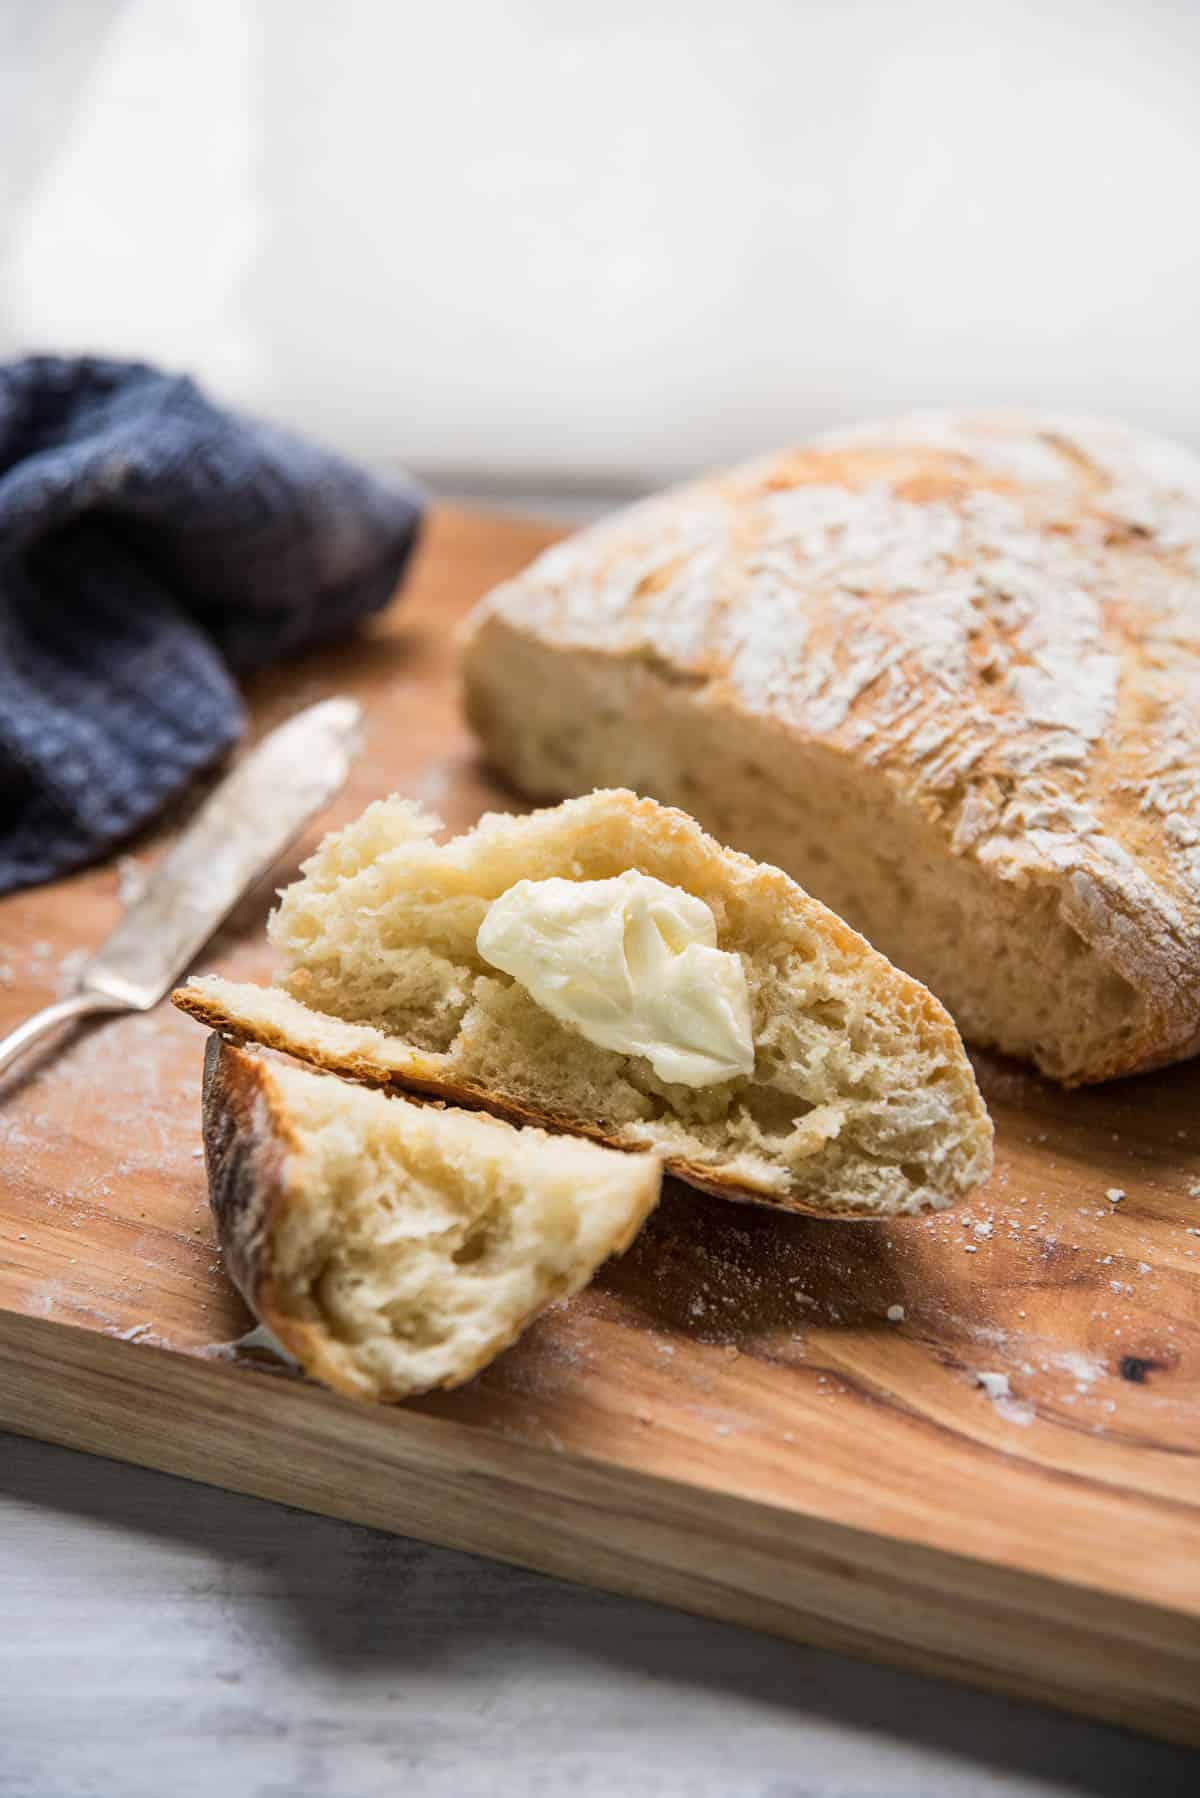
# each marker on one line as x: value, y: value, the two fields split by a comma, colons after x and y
x: 248, y: 1142
x: 246, y: 1146
x: 449, y: 1092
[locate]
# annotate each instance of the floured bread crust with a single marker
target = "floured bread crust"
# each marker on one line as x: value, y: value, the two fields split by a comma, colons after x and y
x: 944, y: 671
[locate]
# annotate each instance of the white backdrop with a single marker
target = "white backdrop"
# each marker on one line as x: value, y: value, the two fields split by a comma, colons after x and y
x: 606, y: 241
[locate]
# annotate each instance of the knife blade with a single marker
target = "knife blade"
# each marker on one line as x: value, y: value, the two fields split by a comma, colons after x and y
x: 235, y: 837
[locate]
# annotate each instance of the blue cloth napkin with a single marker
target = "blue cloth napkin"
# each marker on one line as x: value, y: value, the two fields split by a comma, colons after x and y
x: 153, y: 547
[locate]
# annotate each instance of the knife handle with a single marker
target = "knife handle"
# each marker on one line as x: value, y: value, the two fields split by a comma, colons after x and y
x: 49, y: 1019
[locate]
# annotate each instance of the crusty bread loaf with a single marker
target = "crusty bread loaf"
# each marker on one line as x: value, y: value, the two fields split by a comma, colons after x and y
x: 392, y: 1247
x: 861, y: 1102
x: 943, y: 671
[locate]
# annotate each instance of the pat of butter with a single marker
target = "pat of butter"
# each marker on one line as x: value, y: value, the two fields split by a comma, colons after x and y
x: 633, y: 964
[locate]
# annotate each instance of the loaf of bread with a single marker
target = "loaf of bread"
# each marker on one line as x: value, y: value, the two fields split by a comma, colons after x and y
x: 849, y: 1094
x: 945, y: 672
x: 393, y: 1247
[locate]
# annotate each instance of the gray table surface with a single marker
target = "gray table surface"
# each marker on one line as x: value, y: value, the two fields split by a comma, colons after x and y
x: 166, y: 1640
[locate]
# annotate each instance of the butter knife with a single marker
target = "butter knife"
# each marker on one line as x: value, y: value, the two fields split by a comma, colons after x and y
x: 239, y: 831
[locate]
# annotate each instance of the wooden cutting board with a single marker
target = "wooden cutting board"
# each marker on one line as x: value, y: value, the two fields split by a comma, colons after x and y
x: 727, y: 1420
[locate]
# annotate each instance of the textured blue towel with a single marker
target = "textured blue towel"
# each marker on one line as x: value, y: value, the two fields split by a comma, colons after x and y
x: 153, y: 547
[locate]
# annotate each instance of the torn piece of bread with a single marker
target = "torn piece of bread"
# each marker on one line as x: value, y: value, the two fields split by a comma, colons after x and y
x: 945, y: 671
x: 859, y: 1100
x: 393, y: 1247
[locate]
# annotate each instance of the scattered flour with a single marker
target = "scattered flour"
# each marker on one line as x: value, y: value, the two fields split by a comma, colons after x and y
x: 135, y: 1333
x: 1005, y: 1405
x: 1083, y: 1369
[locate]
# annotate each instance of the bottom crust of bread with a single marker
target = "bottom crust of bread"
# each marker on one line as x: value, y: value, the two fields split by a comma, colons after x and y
x: 234, y: 1028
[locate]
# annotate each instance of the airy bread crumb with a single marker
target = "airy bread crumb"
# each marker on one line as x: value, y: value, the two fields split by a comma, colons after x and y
x: 392, y: 1247
x: 862, y: 1101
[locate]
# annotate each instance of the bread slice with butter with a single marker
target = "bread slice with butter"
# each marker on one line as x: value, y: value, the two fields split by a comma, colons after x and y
x: 668, y: 995
x: 393, y: 1247
x: 944, y: 671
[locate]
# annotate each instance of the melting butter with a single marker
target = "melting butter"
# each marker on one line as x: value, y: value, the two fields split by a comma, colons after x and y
x: 633, y: 964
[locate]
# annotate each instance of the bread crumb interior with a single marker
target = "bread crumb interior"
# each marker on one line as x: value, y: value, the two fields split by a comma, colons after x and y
x: 419, y: 1240
x: 855, y: 1100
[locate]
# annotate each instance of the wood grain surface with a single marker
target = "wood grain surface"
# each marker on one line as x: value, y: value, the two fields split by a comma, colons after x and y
x: 728, y: 1419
